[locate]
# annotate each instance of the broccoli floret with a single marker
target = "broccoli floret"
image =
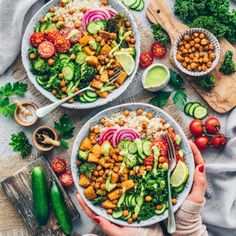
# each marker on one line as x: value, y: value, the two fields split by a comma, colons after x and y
x: 87, y: 75
x: 40, y: 67
x: 228, y: 67
x: 87, y: 169
x: 115, y: 23
x: 207, y: 82
x: 83, y: 155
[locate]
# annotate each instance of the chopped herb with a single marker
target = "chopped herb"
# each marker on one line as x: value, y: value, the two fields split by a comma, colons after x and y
x: 207, y: 82
x: 160, y: 35
x: 228, y: 67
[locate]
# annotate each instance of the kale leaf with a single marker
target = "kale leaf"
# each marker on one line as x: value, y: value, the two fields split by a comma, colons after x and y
x: 160, y: 35
x: 228, y: 67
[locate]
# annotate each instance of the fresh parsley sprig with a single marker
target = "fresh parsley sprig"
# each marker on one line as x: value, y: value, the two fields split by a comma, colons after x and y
x: 65, y: 129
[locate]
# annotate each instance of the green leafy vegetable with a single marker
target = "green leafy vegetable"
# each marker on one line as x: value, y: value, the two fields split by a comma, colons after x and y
x: 65, y: 128
x: 180, y: 98
x: 160, y: 34
x: 175, y: 79
x: 98, y: 200
x: 21, y: 144
x: 207, y: 82
x: 228, y: 67
x: 114, y: 24
x: 161, y: 99
x: 6, y: 108
x: 87, y: 75
x: 9, y: 89
x: 87, y: 169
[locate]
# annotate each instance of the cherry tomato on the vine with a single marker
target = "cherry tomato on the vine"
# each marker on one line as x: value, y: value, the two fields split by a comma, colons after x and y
x: 212, y: 125
x: 202, y: 142
x: 196, y: 128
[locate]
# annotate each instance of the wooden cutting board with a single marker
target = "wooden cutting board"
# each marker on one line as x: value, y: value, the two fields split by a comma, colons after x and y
x: 223, y: 97
x: 18, y: 190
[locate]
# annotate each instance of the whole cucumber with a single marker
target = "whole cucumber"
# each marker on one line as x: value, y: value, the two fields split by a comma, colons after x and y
x: 60, y: 209
x: 40, y: 195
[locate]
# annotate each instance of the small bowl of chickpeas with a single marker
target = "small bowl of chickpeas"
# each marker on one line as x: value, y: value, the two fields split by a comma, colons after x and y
x: 196, y: 52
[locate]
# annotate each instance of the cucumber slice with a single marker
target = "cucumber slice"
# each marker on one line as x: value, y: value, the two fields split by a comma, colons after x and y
x: 43, y: 27
x: 121, y: 200
x: 92, y: 28
x: 140, y: 7
x: 132, y: 148
x: 89, y: 99
x: 187, y: 107
x: 63, y: 56
x: 129, y: 3
x: 81, y: 99
x: 51, y: 27
x: 37, y: 29
x: 133, y: 201
x: 136, y: 4
x: 117, y: 214
x: 200, y: 112
x: 147, y: 147
x: 140, y: 160
x: 101, y: 24
x: 126, y: 144
x: 191, y: 109
x: 91, y: 94
x: 42, y: 80
x: 121, y: 144
x: 81, y: 57
x: 128, y: 216
x: 180, y: 188
x: 68, y: 72
x: 160, y: 212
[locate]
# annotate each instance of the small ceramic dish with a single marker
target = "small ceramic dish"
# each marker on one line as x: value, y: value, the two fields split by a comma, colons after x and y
x: 212, y: 40
x: 150, y: 72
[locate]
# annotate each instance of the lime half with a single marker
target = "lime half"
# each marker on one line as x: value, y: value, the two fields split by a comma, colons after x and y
x: 126, y: 61
x: 180, y: 174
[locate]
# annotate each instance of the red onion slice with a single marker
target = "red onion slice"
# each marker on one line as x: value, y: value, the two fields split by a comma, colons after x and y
x: 107, y: 134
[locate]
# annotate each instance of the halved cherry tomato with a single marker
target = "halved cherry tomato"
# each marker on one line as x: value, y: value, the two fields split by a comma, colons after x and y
x: 53, y: 35
x: 74, y: 39
x: 58, y: 165
x: 158, y: 50
x: 46, y: 49
x: 66, y: 179
x: 37, y: 38
x: 146, y: 59
x: 162, y: 145
x: 148, y: 161
x: 62, y: 44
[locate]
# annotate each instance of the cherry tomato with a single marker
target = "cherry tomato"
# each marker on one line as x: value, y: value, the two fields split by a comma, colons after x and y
x: 36, y: 39
x: 219, y: 141
x: 58, y: 165
x: 162, y: 145
x: 196, y: 128
x: 46, y: 49
x: 202, y: 142
x: 74, y: 39
x: 53, y: 35
x: 146, y: 59
x: 212, y: 125
x: 66, y: 179
x: 62, y: 44
x: 158, y: 50
x: 148, y: 161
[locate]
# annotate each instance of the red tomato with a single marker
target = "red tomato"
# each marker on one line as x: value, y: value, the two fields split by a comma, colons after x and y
x: 66, y: 179
x: 196, y: 128
x: 202, y: 142
x: 36, y: 39
x: 58, y: 165
x: 158, y: 50
x: 53, y: 35
x: 74, y: 39
x: 146, y: 59
x: 148, y: 161
x: 46, y: 49
x: 219, y: 141
x: 62, y: 44
x: 212, y: 125
x: 162, y: 145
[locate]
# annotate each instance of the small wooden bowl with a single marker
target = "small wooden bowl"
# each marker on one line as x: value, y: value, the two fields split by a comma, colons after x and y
x: 22, y: 122
x: 53, y: 134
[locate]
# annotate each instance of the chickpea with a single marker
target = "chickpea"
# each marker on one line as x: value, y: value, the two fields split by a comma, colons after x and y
x: 99, y: 168
x: 103, y: 121
x: 103, y: 186
x: 104, y: 2
x: 203, y: 42
x: 209, y: 64
x: 63, y: 89
x: 121, y: 123
x: 181, y: 43
x: 109, y: 211
x: 159, y: 207
x: 196, y: 34
x: 212, y: 56
x: 191, y: 56
x: 193, y: 66
x: 126, y: 113
x: 148, y: 198
x: 116, y: 169
x: 185, y: 51
x: 95, y: 173
x: 102, y: 43
x: 51, y: 62
x: 139, y: 111
x: 205, y: 59
x: 174, y: 201
x: 132, y: 40
x: 101, y: 57
x: 204, y: 68
x: 125, y: 213
x: 62, y: 83
x: 149, y: 115
x: 197, y: 45
x: 199, y: 68
x: 211, y: 47
x: 160, y: 165
x: 184, y: 64
x: 202, y: 35
x: 192, y: 43
x: 54, y: 91
x: 52, y: 9
x: 187, y: 37
x: 72, y: 100
x: 187, y: 59
x: 128, y: 24
x: 42, y: 20
x: 120, y: 158
x: 72, y: 56
x: 148, y: 168
x: 131, y: 173
x: 179, y: 58
x: 195, y: 59
x: 77, y: 25
x: 101, y: 172
x: 161, y: 159
x: 63, y: 96
x: 134, y: 217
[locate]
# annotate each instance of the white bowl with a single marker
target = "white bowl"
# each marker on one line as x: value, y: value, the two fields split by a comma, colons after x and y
x: 161, y: 86
x: 84, y: 132
x: 213, y: 41
x: 77, y: 105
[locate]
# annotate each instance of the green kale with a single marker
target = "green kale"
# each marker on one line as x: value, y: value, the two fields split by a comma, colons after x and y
x: 98, y: 200
x: 207, y: 82
x: 87, y: 169
x: 20, y: 143
x: 87, y: 75
x: 40, y: 66
x: 9, y: 89
x: 160, y: 35
x: 6, y: 108
x: 115, y: 23
x: 228, y: 67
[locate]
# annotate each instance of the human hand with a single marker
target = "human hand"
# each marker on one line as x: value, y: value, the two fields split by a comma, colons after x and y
x: 199, y: 182
x: 107, y: 226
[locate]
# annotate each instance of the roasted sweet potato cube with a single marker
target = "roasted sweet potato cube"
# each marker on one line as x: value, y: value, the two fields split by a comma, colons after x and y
x: 108, y: 205
x: 104, y: 77
x: 122, y: 77
x: 115, y: 194
x: 84, y: 181
x: 88, y: 51
x: 85, y: 144
x: 102, y: 94
x: 85, y: 40
x: 93, y: 158
x: 105, y: 35
x: 96, y: 84
x: 90, y: 193
x: 105, y: 49
x: 104, y: 162
x: 128, y: 184
x: 97, y: 150
x: 114, y: 177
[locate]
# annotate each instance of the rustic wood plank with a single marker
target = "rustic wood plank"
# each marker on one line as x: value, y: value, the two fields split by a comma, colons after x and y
x: 18, y: 189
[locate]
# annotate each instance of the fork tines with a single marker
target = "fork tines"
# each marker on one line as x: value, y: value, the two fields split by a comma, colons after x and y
x: 171, y: 149
x: 115, y: 76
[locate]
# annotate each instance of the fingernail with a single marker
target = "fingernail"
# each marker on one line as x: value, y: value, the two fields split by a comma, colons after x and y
x: 96, y: 220
x: 201, y: 169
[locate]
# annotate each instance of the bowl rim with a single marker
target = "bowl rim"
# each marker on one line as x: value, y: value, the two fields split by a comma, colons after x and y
x: 77, y: 105
x: 211, y: 38
x: 188, y: 154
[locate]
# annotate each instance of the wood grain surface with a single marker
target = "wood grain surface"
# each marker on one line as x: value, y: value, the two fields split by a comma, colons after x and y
x: 18, y: 189
x: 223, y: 97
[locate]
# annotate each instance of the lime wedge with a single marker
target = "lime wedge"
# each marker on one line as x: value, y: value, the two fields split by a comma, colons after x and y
x: 180, y: 174
x: 126, y: 61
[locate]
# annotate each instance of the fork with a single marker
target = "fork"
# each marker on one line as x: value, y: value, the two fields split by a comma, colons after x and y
x: 43, y: 111
x: 171, y: 226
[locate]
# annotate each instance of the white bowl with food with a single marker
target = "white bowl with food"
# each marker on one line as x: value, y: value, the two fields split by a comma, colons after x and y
x: 118, y: 171
x: 70, y: 44
x: 196, y: 52
x: 155, y: 77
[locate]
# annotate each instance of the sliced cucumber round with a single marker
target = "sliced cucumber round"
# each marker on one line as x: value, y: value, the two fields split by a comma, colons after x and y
x: 117, y: 214
x: 132, y: 148
x: 160, y: 212
x: 187, y: 107
x: 147, y: 147
x: 136, y: 4
x: 129, y: 3
x: 91, y: 94
x: 140, y: 7
x: 191, y: 109
x: 200, y: 112
x: 92, y: 28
